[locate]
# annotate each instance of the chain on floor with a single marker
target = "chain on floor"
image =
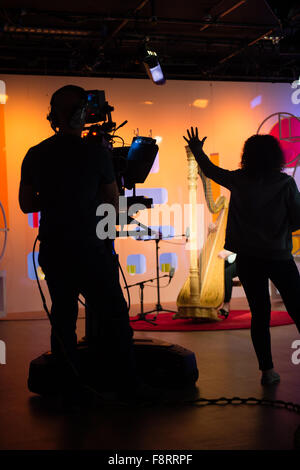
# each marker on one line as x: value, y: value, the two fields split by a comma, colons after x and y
x: 252, y: 401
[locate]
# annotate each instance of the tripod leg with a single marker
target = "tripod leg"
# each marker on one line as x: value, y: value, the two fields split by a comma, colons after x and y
x: 142, y: 314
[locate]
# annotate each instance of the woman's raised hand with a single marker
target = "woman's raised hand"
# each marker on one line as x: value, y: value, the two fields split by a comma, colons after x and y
x: 193, y: 140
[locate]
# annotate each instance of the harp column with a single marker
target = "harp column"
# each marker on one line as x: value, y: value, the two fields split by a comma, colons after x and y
x: 192, y: 186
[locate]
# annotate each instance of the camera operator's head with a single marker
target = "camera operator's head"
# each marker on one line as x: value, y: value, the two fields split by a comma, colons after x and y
x: 68, y: 108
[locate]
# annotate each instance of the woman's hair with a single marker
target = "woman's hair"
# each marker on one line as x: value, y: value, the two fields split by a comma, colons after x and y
x: 262, y: 154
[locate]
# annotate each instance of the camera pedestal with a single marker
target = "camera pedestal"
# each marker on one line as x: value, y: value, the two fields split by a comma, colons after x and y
x: 159, y: 364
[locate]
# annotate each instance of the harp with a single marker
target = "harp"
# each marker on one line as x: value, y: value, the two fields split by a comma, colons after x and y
x: 203, y: 291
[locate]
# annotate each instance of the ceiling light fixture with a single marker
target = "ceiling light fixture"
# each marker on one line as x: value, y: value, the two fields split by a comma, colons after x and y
x: 153, y: 68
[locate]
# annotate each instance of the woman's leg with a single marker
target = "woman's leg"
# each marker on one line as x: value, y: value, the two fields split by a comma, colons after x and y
x: 253, y: 274
x: 286, y: 278
x: 230, y: 273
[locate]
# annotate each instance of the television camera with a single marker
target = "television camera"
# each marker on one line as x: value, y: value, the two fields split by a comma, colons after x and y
x: 133, y: 163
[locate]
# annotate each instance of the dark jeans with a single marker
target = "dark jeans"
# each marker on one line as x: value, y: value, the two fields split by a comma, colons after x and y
x: 93, y: 272
x: 254, y: 274
x: 230, y: 273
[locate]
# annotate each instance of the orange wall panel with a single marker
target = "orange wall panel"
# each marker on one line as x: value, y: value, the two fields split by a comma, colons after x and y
x: 3, y: 172
x: 227, y: 120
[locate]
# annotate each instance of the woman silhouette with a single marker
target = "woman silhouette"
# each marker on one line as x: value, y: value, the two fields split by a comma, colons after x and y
x: 264, y: 210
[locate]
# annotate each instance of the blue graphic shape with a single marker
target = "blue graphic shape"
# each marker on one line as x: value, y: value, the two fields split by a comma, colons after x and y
x: 159, y: 195
x: 168, y: 261
x: 30, y: 267
x: 136, y: 264
x: 34, y: 219
x: 256, y: 101
x: 155, y: 166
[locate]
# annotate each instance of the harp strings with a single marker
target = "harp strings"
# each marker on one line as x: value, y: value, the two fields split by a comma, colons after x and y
x: 214, y: 207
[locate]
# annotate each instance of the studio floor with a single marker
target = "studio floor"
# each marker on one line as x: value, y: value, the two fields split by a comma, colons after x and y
x: 227, y: 367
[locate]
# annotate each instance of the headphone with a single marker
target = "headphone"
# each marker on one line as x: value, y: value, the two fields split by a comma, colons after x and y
x: 77, y: 119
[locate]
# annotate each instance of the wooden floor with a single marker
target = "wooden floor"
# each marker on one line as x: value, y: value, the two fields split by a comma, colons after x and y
x: 227, y: 367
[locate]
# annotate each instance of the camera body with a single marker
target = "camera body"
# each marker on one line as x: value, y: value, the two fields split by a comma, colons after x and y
x: 97, y: 108
x: 133, y: 163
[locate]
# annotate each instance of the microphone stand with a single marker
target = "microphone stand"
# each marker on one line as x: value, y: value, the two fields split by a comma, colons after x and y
x: 158, y: 307
x: 142, y: 315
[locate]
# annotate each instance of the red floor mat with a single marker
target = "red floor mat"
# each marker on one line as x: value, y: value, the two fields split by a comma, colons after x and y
x: 237, y: 319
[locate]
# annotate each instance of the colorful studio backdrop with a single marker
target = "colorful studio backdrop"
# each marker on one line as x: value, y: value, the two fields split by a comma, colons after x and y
x: 226, y: 112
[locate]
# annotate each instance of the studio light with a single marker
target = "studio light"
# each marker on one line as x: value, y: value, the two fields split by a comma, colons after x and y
x: 153, y: 68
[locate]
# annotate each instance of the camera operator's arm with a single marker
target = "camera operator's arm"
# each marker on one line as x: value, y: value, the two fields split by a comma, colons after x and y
x: 108, y: 188
x: 109, y: 194
x: 29, y: 198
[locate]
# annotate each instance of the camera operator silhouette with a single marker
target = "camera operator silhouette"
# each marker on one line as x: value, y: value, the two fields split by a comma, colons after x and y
x: 264, y: 210
x: 66, y: 177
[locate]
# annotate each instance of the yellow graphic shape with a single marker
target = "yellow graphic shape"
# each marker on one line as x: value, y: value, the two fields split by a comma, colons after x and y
x: 131, y: 268
x: 166, y: 267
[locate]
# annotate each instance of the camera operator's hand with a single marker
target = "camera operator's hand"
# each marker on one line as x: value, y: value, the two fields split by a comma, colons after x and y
x: 105, y: 140
x: 105, y: 143
x: 195, y: 144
